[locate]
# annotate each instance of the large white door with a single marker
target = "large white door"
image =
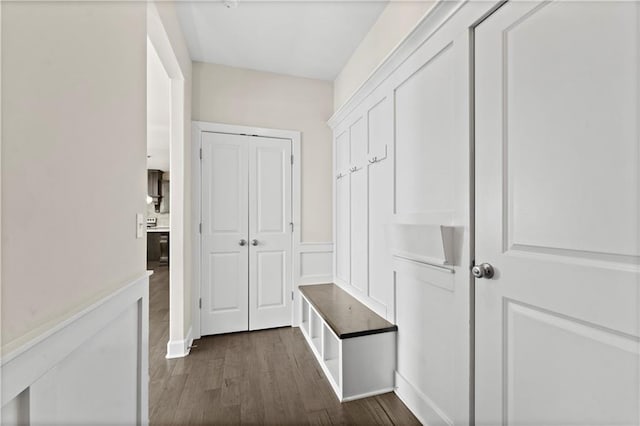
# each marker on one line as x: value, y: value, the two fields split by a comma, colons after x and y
x: 270, y: 233
x: 225, y: 233
x: 557, y: 196
x: 246, y: 233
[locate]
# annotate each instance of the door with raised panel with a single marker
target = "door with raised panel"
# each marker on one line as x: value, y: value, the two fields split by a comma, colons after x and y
x: 270, y: 233
x: 246, y: 233
x: 557, y: 211
x: 225, y: 234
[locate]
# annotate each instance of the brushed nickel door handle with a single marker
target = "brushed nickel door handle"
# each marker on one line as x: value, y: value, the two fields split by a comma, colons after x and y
x: 484, y: 270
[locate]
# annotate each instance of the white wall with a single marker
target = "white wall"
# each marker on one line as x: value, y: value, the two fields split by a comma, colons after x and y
x: 393, y: 24
x: 158, y: 112
x: 73, y: 158
x: 253, y: 98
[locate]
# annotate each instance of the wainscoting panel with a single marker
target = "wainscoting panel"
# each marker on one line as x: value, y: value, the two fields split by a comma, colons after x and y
x: 313, y: 264
x: 91, y: 368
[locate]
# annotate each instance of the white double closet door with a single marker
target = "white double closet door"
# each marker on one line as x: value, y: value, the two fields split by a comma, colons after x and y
x: 246, y: 233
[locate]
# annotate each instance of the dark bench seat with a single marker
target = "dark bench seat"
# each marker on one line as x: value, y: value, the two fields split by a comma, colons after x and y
x: 346, y: 316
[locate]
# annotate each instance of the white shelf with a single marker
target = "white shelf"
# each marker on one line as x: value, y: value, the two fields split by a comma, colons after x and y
x: 432, y: 244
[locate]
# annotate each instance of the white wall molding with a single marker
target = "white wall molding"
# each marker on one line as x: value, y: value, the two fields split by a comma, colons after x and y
x: 159, y: 38
x: 180, y: 348
x: 315, y: 263
x: 25, y: 366
x: 435, y: 18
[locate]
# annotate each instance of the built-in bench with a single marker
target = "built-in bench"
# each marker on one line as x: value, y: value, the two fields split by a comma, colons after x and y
x: 355, y: 347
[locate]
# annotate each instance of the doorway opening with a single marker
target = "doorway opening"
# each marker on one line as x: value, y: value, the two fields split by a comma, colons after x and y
x: 169, y: 92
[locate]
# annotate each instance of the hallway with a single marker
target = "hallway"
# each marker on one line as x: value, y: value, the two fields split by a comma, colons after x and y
x: 263, y: 377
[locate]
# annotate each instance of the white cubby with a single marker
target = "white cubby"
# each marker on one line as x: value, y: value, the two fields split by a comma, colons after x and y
x: 356, y: 367
x: 304, y: 324
x: 331, y: 354
x: 315, y: 330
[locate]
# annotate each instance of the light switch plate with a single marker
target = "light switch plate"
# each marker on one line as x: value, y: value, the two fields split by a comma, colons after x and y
x: 140, y: 225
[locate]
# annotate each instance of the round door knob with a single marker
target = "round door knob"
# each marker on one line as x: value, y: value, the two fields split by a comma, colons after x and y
x: 484, y: 270
x: 254, y: 242
x: 243, y: 243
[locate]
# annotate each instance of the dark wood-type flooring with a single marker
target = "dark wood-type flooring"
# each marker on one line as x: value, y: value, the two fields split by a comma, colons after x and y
x: 260, y: 377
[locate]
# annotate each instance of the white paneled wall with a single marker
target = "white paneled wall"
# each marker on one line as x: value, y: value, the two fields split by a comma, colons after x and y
x: 364, y: 204
x: 402, y: 210
x: 92, y: 368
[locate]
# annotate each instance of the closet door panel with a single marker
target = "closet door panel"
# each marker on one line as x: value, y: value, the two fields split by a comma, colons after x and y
x: 269, y: 232
x: 359, y: 207
x: 225, y: 221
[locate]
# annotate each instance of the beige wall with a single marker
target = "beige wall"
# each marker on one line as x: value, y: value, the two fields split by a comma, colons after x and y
x: 395, y: 22
x: 73, y: 158
x: 252, y: 98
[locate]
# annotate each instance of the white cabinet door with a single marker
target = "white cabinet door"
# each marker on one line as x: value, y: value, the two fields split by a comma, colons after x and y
x: 342, y: 207
x: 557, y: 196
x: 225, y: 222
x: 270, y: 233
x: 359, y: 207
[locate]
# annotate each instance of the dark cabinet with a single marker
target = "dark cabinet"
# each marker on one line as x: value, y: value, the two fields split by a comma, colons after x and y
x: 154, y: 187
x: 158, y: 247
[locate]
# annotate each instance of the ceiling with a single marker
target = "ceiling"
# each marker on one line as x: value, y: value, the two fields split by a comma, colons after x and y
x: 303, y: 38
x: 158, y: 112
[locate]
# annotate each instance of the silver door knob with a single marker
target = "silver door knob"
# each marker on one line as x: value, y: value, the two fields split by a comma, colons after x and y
x: 484, y: 270
x: 243, y: 242
x: 254, y: 242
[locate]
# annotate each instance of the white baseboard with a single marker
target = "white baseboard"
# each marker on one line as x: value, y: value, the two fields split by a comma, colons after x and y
x: 420, y: 405
x: 180, y: 348
x: 367, y: 395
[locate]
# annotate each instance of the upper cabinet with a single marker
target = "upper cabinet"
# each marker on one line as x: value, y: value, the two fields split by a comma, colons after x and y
x: 158, y: 189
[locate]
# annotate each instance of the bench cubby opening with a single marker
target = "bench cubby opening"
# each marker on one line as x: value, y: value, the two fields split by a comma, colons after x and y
x: 304, y: 323
x: 315, y: 330
x: 331, y: 354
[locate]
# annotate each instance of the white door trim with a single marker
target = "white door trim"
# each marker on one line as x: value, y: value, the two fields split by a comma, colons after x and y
x: 159, y: 38
x: 198, y: 127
